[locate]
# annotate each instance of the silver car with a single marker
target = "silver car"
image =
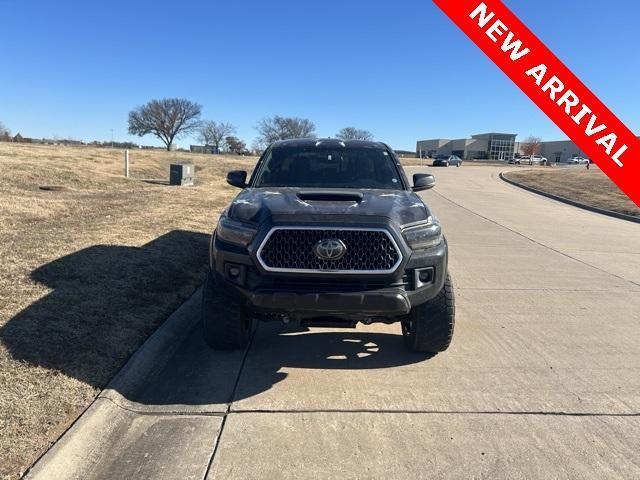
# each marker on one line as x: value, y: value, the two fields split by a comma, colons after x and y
x: 579, y: 161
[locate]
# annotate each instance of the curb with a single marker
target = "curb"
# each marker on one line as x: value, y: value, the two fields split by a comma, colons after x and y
x: 591, y: 208
x: 79, y: 449
x: 155, y: 351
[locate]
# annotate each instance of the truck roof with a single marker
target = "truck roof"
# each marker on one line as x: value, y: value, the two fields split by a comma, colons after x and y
x: 328, y: 142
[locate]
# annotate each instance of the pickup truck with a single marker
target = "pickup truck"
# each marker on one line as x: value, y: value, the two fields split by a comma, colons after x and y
x: 329, y: 233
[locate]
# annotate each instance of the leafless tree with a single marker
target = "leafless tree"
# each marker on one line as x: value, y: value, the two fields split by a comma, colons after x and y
x: 213, y: 133
x: 4, y: 131
x: 531, y: 145
x: 352, y: 133
x: 277, y: 128
x: 257, y: 148
x: 235, y: 145
x: 167, y: 119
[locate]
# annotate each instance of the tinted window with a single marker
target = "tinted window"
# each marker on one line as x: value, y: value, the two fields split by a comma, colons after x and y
x: 329, y: 167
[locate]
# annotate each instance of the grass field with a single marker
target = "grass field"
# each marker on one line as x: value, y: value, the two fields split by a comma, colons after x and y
x: 89, y: 271
x: 591, y: 187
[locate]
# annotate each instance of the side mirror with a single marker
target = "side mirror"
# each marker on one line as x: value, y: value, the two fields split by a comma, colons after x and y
x: 237, y: 178
x: 423, y: 181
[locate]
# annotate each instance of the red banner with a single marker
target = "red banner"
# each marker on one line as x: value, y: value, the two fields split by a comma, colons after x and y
x: 551, y: 86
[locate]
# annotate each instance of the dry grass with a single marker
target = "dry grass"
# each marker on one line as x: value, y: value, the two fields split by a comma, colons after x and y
x: 88, y: 272
x: 591, y: 187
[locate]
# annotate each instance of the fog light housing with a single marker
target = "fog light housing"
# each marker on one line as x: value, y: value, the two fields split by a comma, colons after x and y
x: 235, y: 273
x: 424, y: 276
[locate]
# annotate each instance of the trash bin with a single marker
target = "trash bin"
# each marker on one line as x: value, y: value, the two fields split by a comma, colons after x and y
x: 182, y: 174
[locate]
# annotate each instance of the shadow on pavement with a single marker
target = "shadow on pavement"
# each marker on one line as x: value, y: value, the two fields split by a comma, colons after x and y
x: 199, y: 376
x: 105, y: 301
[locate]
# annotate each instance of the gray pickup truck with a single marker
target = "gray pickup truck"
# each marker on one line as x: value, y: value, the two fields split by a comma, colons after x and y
x: 329, y: 233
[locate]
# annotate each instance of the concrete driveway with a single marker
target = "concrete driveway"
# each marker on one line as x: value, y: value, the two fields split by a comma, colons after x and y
x: 542, y: 379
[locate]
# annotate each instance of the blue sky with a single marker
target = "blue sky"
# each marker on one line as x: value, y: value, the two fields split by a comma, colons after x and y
x: 399, y: 69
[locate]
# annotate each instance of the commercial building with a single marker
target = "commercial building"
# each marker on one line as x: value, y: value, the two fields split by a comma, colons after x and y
x: 561, y: 151
x: 204, y: 149
x: 494, y: 146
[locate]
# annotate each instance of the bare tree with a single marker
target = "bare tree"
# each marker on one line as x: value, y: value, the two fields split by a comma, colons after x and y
x: 257, y: 147
x: 4, y: 131
x: 167, y: 119
x: 213, y: 133
x: 352, y: 133
x: 235, y: 145
x: 283, y: 128
x: 531, y: 145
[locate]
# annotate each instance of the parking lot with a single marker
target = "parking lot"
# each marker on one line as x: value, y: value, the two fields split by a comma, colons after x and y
x: 542, y: 379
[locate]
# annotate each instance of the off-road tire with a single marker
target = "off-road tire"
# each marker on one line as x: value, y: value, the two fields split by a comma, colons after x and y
x: 429, y: 327
x: 225, y: 323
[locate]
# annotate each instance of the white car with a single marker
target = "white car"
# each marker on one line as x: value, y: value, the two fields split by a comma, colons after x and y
x: 538, y: 160
x: 531, y: 160
x: 579, y: 161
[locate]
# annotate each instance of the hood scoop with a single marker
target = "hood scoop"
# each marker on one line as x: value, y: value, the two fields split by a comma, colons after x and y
x: 329, y: 196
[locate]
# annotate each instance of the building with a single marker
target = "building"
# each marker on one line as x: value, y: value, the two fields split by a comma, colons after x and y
x: 493, y: 146
x: 496, y: 146
x: 204, y: 149
x: 561, y: 151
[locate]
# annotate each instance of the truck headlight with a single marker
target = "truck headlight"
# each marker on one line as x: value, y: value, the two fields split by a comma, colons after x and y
x: 423, y: 235
x: 235, y: 232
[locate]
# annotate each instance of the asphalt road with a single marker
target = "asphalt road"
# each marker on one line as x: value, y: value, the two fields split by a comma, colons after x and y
x: 542, y: 379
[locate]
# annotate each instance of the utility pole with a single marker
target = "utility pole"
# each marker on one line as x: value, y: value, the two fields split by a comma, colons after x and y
x: 112, y: 138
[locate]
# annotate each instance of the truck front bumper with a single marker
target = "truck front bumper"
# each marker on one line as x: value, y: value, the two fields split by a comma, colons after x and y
x: 390, y: 302
x: 320, y: 295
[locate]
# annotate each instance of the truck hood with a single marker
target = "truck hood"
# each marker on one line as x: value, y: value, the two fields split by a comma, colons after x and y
x: 258, y: 205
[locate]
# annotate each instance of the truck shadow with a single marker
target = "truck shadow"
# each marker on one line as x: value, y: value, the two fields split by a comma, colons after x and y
x: 104, y: 302
x: 198, y: 376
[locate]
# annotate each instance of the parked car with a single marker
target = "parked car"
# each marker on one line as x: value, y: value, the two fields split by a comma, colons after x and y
x: 446, y: 160
x: 538, y: 160
x: 329, y: 233
x: 579, y: 161
x: 531, y: 160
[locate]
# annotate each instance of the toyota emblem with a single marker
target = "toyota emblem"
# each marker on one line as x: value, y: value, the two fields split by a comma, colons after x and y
x: 330, y: 249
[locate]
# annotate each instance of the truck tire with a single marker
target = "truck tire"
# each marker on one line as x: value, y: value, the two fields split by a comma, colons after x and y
x: 429, y: 327
x: 225, y: 323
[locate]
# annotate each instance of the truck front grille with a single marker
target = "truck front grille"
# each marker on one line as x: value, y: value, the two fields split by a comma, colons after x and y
x: 292, y: 249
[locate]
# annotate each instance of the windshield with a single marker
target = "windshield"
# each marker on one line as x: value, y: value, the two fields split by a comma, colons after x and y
x: 329, y: 167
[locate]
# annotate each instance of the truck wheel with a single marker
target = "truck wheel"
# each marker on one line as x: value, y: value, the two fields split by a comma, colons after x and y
x: 226, y: 324
x: 429, y: 327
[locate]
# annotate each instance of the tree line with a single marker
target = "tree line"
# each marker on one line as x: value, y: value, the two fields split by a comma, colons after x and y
x: 171, y: 118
